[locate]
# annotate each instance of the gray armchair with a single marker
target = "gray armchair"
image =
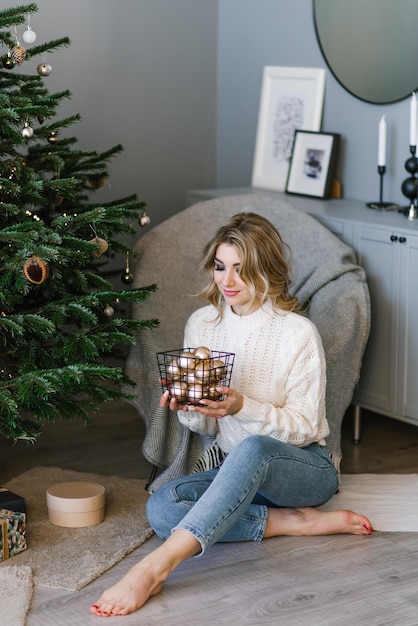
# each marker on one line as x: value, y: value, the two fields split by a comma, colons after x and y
x: 325, y: 274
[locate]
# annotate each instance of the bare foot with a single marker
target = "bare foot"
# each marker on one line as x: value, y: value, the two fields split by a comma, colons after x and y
x: 311, y: 521
x: 146, y: 578
x: 130, y: 593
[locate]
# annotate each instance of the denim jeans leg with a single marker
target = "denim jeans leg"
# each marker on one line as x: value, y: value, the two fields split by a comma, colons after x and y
x: 259, y: 472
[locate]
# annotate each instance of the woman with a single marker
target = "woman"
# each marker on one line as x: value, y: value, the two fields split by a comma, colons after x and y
x: 269, y: 429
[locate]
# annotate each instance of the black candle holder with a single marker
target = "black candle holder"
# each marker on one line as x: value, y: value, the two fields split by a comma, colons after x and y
x: 382, y: 206
x: 409, y: 186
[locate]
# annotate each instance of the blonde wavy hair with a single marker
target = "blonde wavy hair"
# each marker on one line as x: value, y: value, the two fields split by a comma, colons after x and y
x: 264, y: 264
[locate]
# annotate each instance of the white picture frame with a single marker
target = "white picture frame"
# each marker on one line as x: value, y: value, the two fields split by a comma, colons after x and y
x: 292, y: 98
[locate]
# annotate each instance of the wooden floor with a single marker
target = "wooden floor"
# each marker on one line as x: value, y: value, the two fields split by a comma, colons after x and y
x: 336, y: 581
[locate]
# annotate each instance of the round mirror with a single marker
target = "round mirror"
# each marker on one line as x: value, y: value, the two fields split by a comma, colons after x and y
x: 371, y: 46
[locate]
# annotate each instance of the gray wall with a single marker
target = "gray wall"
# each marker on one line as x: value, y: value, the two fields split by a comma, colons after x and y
x: 254, y: 33
x: 177, y: 82
x: 143, y: 74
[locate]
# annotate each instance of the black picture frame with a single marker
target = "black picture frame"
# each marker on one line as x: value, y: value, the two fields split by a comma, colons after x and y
x: 313, y: 164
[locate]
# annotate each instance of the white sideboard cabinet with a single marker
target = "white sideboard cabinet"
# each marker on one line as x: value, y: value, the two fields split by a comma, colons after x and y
x: 386, y: 244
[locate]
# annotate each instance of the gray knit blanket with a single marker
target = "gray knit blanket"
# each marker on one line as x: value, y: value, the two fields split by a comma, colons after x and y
x: 325, y: 275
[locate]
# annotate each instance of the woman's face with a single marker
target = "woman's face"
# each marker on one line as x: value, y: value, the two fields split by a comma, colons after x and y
x: 227, y: 278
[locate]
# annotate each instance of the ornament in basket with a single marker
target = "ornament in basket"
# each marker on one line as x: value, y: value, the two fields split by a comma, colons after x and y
x: 189, y: 375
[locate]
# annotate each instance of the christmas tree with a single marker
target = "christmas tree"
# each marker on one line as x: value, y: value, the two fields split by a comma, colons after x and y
x: 59, y: 309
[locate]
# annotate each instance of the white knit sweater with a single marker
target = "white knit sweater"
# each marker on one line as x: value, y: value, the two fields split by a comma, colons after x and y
x: 279, y: 369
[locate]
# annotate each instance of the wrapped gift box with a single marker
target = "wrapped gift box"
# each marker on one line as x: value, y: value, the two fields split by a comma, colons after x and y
x: 11, y: 501
x: 12, y: 533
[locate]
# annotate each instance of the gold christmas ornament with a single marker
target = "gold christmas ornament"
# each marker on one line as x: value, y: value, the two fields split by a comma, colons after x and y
x: 53, y: 139
x: 178, y: 390
x: 44, y: 69
x: 18, y: 54
x: 187, y: 361
x: 202, y: 352
x: 104, y: 246
x: 189, y: 378
x: 195, y: 393
x: 36, y: 270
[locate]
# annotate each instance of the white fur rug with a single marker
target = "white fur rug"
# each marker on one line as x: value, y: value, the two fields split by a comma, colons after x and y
x: 70, y: 558
x: 15, y: 594
x: 390, y: 501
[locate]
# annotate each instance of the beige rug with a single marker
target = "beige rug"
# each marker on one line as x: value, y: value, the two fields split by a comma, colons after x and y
x: 70, y: 558
x: 390, y: 501
x: 15, y: 594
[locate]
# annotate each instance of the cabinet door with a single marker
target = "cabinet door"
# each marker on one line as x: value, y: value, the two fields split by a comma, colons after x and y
x: 341, y: 228
x: 378, y: 252
x: 408, y: 363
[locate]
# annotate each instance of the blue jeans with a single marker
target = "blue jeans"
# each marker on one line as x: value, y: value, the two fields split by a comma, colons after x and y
x: 230, y: 503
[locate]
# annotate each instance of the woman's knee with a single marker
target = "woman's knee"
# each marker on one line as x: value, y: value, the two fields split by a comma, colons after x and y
x: 157, y: 509
x: 258, y: 446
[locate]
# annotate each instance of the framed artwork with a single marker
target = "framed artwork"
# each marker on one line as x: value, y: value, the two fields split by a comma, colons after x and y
x: 292, y: 98
x: 313, y: 163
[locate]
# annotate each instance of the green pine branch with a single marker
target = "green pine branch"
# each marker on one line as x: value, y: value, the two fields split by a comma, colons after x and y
x: 60, y: 314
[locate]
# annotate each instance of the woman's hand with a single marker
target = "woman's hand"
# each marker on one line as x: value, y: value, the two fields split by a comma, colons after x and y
x: 165, y: 400
x: 219, y: 408
x: 211, y: 408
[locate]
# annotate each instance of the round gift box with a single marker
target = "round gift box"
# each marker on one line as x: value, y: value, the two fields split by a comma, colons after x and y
x: 77, y: 504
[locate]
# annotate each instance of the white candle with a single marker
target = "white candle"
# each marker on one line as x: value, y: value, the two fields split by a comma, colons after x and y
x: 413, y: 121
x: 381, y: 153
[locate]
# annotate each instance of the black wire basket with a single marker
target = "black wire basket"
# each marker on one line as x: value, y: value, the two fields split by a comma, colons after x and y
x: 191, y: 374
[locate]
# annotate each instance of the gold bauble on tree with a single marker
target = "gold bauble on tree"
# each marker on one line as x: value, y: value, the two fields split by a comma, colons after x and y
x: 44, y: 69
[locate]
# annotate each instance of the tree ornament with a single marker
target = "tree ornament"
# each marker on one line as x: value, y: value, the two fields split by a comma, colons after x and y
x: 27, y: 131
x: 18, y: 54
x: 109, y: 310
x: 96, y: 183
x: 29, y: 36
x: 36, y: 270
x: 8, y: 62
x: 127, y: 276
x: 144, y: 220
x: 41, y: 119
x: 178, y: 390
x: 53, y: 139
x: 202, y: 352
x: 44, y: 69
x: 103, y: 246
